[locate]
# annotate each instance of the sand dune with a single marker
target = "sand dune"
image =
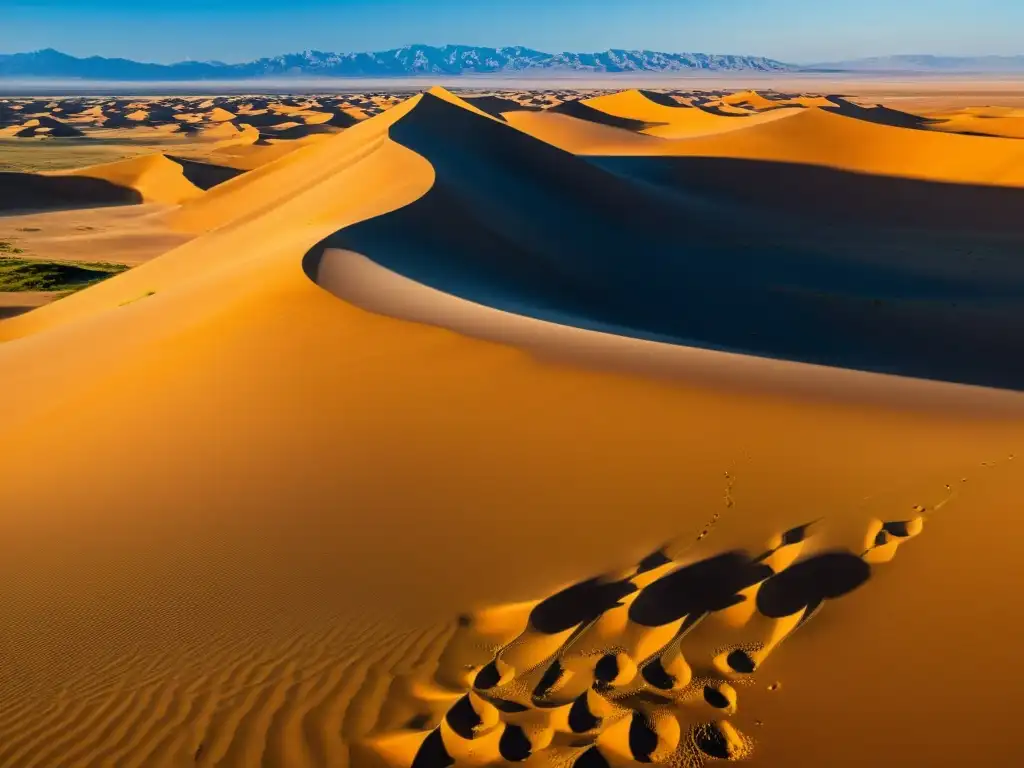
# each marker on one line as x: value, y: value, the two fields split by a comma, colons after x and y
x: 442, y: 445
x: 820, y: 137
x: 1009, y: 126
x: 155, y: 178
x: 581, y: 135
x: 40, y: 126
x: 926, y: 291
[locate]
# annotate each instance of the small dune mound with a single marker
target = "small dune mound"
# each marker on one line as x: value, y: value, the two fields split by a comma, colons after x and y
x: 335, y: 118
x: 292, y: 131
x: 220, y: 115
x: 156, y: 178
x: 581, y: 136
x: 877, y: 114
x: 582, y: 110
x: 752, y: 100
x: 41, y: 127
x: 721, y: 740
x: 635, y: 105
x: 225, y: 130
x: 864, y: 141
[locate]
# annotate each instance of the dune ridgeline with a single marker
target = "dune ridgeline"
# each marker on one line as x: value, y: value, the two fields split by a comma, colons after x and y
x: 618, y: 431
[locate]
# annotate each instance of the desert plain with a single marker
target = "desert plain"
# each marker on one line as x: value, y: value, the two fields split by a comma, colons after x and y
x: 552, y: 427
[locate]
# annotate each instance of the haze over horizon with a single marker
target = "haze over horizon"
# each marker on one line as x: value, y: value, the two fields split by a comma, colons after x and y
x: 796, y: 31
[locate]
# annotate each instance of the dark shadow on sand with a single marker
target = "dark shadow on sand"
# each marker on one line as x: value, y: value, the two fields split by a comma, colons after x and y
x: 34, y: 192
x: 807, y: 584
x: 877, y: 114
x: 205, y: 175
x: 702, y: 587
x: 496, y: 105
x: 581, y: 111
x: 578, y: 604
x: 776, y: 260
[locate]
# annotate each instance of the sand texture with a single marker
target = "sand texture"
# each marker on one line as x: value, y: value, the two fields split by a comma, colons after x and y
x: 569, y: 430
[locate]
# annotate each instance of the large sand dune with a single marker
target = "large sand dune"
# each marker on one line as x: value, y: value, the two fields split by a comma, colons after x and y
x: 440, y: 445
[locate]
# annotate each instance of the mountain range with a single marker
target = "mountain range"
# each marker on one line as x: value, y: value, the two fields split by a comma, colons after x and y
x: 454, y: 60
x: 928, y: 63
x: 407, y: 61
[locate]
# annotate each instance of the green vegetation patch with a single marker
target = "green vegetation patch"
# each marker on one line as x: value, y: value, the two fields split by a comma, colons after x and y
x: 17, y: 274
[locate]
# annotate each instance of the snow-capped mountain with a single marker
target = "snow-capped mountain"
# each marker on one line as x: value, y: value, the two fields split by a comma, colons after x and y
x: 410, y: 60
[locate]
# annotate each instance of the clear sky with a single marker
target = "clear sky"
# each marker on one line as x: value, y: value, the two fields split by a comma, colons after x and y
x: 238, y: 30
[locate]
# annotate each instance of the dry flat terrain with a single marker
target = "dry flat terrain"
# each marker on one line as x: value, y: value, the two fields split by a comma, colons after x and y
x: 554, y: 428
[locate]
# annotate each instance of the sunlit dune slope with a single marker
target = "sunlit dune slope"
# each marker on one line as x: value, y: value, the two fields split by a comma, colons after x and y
x: 581, y: 136
x: 584, y: 130
x: 311, y: 168
x: 750, y: 100
x: 874, y: 140
x: 698, y: 122
x: 156, y: 178
x: 1010, y: 126
x: 634, y: 105
x: 250, y: 519
x: 821, y: 137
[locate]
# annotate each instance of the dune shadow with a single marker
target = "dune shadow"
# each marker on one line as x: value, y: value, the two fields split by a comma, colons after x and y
x: 662, y: 99
x: 14, y: 311
x: 581, y: 111
x: 578, y: 604
x: 29, y: 191
x: 462, y: 718
x: 820, y: 192
x: 777, y: 260
x: 715, y: 110
x: 495, y: 105
x: 205, y: 175
x: 432, y: 753
x: 807, y: 584
x: 878, y: 114
x: 703, y: 587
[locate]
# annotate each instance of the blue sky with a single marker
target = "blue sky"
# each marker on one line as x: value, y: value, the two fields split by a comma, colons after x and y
x: 238, y: 30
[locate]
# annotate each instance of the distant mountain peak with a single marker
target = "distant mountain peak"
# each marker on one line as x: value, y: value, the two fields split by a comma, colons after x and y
x: 408, y: 60
x: 928, y: 62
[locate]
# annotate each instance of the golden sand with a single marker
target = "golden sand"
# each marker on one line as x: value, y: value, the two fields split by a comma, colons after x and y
x: 266, y: 500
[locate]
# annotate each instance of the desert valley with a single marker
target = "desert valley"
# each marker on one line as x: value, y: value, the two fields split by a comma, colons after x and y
x: 479, y: 427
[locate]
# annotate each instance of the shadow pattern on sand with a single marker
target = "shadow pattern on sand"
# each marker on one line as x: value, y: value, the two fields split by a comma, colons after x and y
x: 205, y: 175
x: 30, y: 191
x: 783, y: 261
x: 616, y: 669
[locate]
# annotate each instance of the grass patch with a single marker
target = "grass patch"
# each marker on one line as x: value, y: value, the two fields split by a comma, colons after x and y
x: 68, y: 276
x: 7, y: 249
